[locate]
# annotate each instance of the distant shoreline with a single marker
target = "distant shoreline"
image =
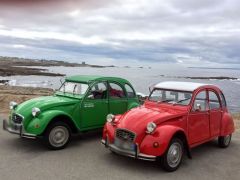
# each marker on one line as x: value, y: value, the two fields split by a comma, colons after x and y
x: 12, y: 66
x: 213, y: 68
x: 201, y: 77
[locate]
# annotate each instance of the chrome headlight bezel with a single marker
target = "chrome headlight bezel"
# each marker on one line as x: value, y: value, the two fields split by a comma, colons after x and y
x: 151, y: 126
x: 12, y: 105
x: 35, y: 111
x: 110, y: 118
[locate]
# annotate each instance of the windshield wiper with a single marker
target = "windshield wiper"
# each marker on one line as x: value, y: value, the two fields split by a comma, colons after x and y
x: 182, y: 100
x: 166, y: 100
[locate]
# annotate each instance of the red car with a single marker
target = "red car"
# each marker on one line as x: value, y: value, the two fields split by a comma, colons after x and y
x: 176, y: 117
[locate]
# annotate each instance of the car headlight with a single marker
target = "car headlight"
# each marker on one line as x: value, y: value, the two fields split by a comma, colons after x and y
x: 12, y: 105
x: 110, y: 118
x: 35, y: 111
x: 151, y: 127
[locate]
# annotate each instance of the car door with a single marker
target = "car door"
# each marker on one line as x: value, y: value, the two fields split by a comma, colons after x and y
x: 95, y: 107
x: 117, y: 98
x: 215, y: 113
x: 198, y: 119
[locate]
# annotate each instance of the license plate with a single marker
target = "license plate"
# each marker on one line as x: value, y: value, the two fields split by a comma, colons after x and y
x: 124, y: 144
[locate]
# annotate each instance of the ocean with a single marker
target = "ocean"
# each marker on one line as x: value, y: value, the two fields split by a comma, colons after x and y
x: 143, y: 77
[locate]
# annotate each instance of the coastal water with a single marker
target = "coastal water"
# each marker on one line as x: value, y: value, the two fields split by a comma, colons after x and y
x: 142, y: 78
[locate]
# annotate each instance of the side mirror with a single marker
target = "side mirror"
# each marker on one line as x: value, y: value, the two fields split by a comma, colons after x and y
x: 141, y: 97
x: 199, y: 108
x: 62, y: 81
x: 151, y: 87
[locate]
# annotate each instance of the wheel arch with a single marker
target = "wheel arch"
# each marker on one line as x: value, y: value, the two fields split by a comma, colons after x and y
x: 182, y: 136
x: 227, y: 124
x: 55, y: 116
x: 163, y: 135
x: 66, y: 119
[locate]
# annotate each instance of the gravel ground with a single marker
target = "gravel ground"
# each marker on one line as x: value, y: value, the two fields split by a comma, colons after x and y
x: 86, y: 158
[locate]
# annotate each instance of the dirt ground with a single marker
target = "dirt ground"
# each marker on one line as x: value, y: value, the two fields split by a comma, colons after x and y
x: 19, y: 94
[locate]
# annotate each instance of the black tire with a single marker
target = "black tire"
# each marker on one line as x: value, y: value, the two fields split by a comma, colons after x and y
x: 175, y: 145
x: 58, y: 131
x: 224, y: 141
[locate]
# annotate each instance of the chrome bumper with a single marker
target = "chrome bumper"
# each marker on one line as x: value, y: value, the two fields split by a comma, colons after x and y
x: 18, y: 130
x: 133, y: 154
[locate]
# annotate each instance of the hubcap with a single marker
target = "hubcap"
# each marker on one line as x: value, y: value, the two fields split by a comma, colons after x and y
x: 227, y: 139
x: 174, y: 155
x: 58, y: 136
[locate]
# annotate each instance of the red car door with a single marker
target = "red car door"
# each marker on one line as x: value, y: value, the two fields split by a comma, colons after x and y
x: 215, y: 113
x: 198, y: 119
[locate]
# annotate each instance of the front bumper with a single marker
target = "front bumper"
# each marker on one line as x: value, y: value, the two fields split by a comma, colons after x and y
x: 17, y: 130
x: 133, y: 154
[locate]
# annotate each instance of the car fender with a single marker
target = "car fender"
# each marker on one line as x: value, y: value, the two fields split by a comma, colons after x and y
x: 227, y: 124
x: 38, y: 124
x: 161, y: 136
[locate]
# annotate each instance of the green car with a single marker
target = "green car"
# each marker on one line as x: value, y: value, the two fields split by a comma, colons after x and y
x: 81, y: 104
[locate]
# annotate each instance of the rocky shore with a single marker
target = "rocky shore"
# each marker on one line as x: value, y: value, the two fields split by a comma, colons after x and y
x: 12, y: 66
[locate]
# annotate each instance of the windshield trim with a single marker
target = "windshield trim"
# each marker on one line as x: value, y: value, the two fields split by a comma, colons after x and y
x: 73, y: 94
x: 176, y: 90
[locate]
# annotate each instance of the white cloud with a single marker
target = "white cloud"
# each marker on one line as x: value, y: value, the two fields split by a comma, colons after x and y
x: 74, y: 13
x: 18, y: 46
x: 26, y: 34
x: 156, y: 30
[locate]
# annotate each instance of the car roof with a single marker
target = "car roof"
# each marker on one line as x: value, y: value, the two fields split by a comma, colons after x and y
x: 182, y: 86
x: 91, y: 78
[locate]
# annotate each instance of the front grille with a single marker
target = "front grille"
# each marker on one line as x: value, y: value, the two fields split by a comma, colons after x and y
x: 16, y: 118
x: 125, y: 135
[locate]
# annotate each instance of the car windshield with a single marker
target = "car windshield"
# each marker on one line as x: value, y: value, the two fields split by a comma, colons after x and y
x: 74, y: 88
x: 170, y: 96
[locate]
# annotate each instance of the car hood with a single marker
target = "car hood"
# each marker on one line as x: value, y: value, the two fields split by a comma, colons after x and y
x: 44, y: 103
x: 136, y: 120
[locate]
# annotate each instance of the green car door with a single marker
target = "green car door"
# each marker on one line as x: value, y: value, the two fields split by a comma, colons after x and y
x: 118, y: 101
x: 95, y: 106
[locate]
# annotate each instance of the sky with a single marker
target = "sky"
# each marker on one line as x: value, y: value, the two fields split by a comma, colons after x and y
x: 184, y: 32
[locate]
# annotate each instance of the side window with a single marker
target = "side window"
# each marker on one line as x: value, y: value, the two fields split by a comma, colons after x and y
x: 116, y: 91
x: 200, y: 102
x: 130, y: 91
x: 213, y: 100
x: 98, y: 91
x: 223, y: 100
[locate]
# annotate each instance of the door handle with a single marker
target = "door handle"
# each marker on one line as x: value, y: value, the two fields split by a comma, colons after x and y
x: 88, y: 105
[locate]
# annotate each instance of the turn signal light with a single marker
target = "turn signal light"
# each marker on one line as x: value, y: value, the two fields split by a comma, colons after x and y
x: 155, y: 144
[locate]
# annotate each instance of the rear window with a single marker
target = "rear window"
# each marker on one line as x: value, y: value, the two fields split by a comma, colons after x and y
x: 223, y: 101
x: 213, y: 100
x: 130, y: 91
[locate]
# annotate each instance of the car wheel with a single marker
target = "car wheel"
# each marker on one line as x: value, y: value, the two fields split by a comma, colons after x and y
x: 57, y: 135
x: 172, y: 158
x: 224, y: 141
